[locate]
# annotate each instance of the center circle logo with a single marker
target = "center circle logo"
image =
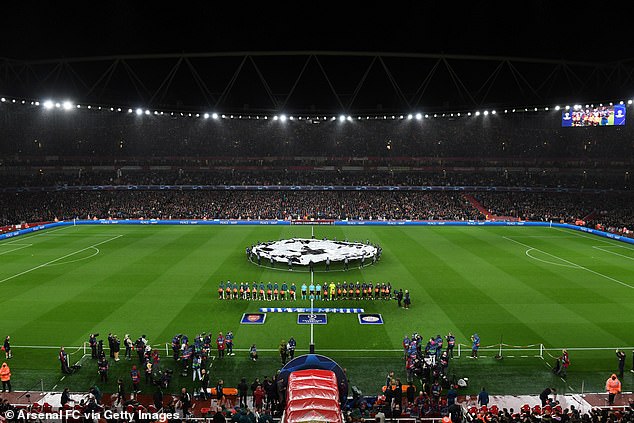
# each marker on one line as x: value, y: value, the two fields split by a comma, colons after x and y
x: 253, y: 317
x: 370, y: 319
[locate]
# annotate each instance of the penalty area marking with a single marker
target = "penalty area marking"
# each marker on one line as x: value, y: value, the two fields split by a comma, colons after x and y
x: 612, y: 252
x: 58, y: 259
x: 79, y: 259
x: 549, y: 262
x: 20, y: 246
x: 612, y: 242
x: 37, y: 233
x: 570, y: 263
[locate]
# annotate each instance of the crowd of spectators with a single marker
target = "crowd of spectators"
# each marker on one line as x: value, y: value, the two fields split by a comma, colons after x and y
x: 48, y: 206
x: 311, y: 176
x: 612, y: 211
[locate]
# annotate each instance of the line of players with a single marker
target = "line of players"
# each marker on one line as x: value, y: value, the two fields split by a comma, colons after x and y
x: 327, y: 291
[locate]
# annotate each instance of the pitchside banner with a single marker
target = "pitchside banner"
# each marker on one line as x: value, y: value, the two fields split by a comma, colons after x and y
x: 253, y: 318
x: 370, y: 319
x: 312, y: 319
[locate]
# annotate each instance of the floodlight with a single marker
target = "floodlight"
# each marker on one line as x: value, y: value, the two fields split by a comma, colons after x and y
x: 67, y: 105
x: 557, y: 108
x: 139, y: 112
x: 419, y: 116
x: 275, y: 117
x: 486, y: 113
x: 214, y: 115
x: 477, y: 113
x: 147, y: 112
x: 342, y: 118
x: 206, y: 115
x: 283, y: 118
x: 409, y: 117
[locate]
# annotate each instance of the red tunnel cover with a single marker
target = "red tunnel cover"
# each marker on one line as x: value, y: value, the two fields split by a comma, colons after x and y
x: 312, y: 396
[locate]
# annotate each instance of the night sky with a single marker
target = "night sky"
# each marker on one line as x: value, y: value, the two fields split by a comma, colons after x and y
x: 588, y: 31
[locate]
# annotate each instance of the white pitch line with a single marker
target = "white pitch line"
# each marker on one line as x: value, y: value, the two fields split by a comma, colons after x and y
x: 37, y: 233
x: 79, y: 259
x: 612, y: 252
x: 546, y: 261
x: 15, y: 249
x: 594, y: 237
x: 58, y: 259
x: 571, y: 263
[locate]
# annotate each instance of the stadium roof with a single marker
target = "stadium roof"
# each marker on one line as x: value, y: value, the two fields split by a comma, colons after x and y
x: 326, y: 56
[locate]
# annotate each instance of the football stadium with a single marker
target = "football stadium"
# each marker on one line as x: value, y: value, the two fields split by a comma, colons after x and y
x: 294, y: 235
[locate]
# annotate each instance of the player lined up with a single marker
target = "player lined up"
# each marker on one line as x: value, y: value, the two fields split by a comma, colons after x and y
x: 325, y: 291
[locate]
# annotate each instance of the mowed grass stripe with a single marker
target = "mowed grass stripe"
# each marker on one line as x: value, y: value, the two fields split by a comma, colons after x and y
x: 465, y: 287
x: 543, y: 296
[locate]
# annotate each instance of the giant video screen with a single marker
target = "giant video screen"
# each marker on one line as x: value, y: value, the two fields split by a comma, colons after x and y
x: 594, y: 116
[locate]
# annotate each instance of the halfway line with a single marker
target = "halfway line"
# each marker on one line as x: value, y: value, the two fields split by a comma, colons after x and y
x: 58, y: 259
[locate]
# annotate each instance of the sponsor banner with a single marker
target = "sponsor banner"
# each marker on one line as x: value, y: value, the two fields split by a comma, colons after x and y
x: 370, y: 319
x: 253, y: 318
x: 311, y: 310
x: 312, y: 319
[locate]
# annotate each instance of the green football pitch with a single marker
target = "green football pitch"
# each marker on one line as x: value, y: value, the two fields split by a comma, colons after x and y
x: 536, y: 290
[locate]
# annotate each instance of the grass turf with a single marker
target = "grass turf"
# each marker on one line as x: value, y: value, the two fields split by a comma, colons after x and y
x: 527, y: 285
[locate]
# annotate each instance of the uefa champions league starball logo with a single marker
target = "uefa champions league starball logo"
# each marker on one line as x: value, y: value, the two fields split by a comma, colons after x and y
x: 303, y: 251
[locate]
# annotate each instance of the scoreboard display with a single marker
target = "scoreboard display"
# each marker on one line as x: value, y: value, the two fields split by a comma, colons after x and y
x: 595, y: 116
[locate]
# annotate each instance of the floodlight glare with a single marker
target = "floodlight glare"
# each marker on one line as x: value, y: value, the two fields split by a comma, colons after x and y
x: 283, y: 118
x: 342, y: 118
x: 3, y: 99
x: 214, y: 115
x: 67, y: 105
x: 147, y: 112
x: 629, y: 102
x: 206, y: 115
x: 419, y: 116
x: 486, y: 113
x: 275, y: 117
x: 493, y: 112
x: 557, y: 108
x: 409, y: 117
x: 349, y: 118
x: 48, y: 104
x: 477, y: 113
x: 139, y: 112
